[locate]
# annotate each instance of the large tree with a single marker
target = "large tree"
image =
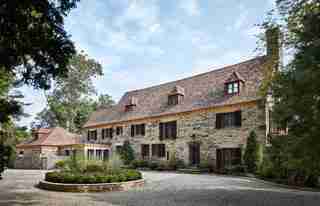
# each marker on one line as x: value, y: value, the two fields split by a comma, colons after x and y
x: 34, y: 49
x: 296, y: 88
x: 71, y: 102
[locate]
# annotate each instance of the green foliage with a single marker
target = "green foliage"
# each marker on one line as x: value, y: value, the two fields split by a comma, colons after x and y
x: 153, y: 165
x: 139, y: 163
x: 127, y: 153
x: 28, y: 28
x: 296, y: 93
x: 69, y: 104
x: 92, y: 178
x: 61, y: 164
x: 251, y: 155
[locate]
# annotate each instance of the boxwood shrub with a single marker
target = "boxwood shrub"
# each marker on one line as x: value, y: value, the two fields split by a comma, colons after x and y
x: 92, y: 178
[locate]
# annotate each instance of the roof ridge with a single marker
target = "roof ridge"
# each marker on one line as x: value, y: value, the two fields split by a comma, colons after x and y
x: 197, y: 75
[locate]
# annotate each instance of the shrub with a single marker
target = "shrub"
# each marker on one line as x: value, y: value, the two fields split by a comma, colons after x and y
x: 61, y: 164
x: 204, y: 165
x: 139, y: 163
x: 153, y: 165
x: 94, y: 167
x: 251, y: 156
x: 162, y: 165
x: 180, y: 164
x: 127, y: 153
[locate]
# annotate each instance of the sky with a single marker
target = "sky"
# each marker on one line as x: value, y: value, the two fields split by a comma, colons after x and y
x: 141, y: 43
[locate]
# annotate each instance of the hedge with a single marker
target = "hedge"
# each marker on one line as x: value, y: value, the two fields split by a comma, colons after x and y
x: 92, y: 178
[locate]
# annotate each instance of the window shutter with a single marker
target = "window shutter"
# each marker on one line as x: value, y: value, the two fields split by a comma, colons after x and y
x: 111, y: 135
x: 238, y: 118
x: 88, y: 135
x: 174, y: 130
x: 161, y: 131
x: 132, y: 130
x: 143, y: 129
x: 218, y: 121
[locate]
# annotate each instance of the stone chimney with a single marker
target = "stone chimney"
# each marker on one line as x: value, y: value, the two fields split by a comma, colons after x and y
x: 274, y: 47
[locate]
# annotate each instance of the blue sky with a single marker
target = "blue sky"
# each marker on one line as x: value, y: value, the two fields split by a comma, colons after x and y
x: 146, y: 42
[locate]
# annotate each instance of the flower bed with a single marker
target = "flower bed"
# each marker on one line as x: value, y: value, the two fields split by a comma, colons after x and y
x: 92, y: 177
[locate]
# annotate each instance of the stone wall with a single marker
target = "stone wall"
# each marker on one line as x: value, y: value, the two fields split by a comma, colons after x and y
x: 37, y: 158
x: 197, y: 127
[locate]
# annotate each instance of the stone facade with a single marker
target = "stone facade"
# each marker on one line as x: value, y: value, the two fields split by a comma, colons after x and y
x: 196, y: 126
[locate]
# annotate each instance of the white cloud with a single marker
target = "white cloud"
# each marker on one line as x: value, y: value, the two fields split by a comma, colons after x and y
x: 191, y: 7
x: 206, y: 64
x: 241, y: 20
x: 143, y: 13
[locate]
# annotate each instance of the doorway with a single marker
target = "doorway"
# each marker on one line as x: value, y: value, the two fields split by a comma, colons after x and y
x: 227, y: 157
x: 194, y: 153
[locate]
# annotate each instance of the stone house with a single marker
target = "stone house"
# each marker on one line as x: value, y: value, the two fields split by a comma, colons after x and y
x: 50, y: 145
x: 203, y: 118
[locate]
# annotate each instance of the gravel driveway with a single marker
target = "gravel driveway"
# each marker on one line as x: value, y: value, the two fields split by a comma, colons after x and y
x: 17, y: 188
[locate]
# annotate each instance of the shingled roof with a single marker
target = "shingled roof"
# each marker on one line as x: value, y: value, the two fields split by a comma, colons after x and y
x: 56, y: 136
x: 200, y: 91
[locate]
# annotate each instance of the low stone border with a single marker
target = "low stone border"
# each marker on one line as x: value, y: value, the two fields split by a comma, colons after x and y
x: 101, y: 187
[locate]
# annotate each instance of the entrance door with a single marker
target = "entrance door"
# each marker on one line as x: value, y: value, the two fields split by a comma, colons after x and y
x: 194, y: 153
x: 227, y: 157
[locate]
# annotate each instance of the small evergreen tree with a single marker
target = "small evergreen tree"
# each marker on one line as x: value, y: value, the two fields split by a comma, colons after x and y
x: 127, y: 153
x: 251, y: 155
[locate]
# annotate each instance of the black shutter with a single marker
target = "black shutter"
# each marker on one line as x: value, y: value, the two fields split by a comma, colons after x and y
x: 238, y: 118
x: 132, y: 130
x: 161, y: 131
x: 218, y: 121
x: 88, y: 135
x: 143, y: 129
x: 174, y: 130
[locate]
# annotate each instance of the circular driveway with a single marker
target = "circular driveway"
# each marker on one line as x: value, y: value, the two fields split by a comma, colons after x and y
x: 17, y: 188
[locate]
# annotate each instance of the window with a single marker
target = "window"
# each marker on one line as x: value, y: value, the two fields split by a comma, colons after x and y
x: 137, y: 129
x: 168, y: 130
x: 90, y: 154
x: 67, y: 152
x: 158, y: 150
x: 227, y: 157
x: 99, y: 154
x: 21, y: 153
x: 232, y: 119
x: 92, y: 135
x: 107, y: 133
x: 145, y: 151
x: 119, y: 130
x: 233, y: 87
x: 173, y: 99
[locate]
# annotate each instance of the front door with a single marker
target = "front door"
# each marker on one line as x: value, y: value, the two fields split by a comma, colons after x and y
x: 194, y: 153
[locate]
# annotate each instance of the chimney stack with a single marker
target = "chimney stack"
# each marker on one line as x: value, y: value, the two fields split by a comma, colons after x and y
x: 274, y: 47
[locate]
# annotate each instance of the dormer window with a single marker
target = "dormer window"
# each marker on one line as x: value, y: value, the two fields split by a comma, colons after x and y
x: 176, y: 95
x: 233, y: 87
x: 234, y: 83
x: 132, y: 102
x: 173, y: 99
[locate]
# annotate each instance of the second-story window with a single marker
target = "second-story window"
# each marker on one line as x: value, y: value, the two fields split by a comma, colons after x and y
x: 168, y: 130
x: 137, y: 130
x: 92, y: 135
x: 119, y: 130
x: 107, y: 133
x: 173, y: 99
x: 231, y: 119
x: 233, y: 87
